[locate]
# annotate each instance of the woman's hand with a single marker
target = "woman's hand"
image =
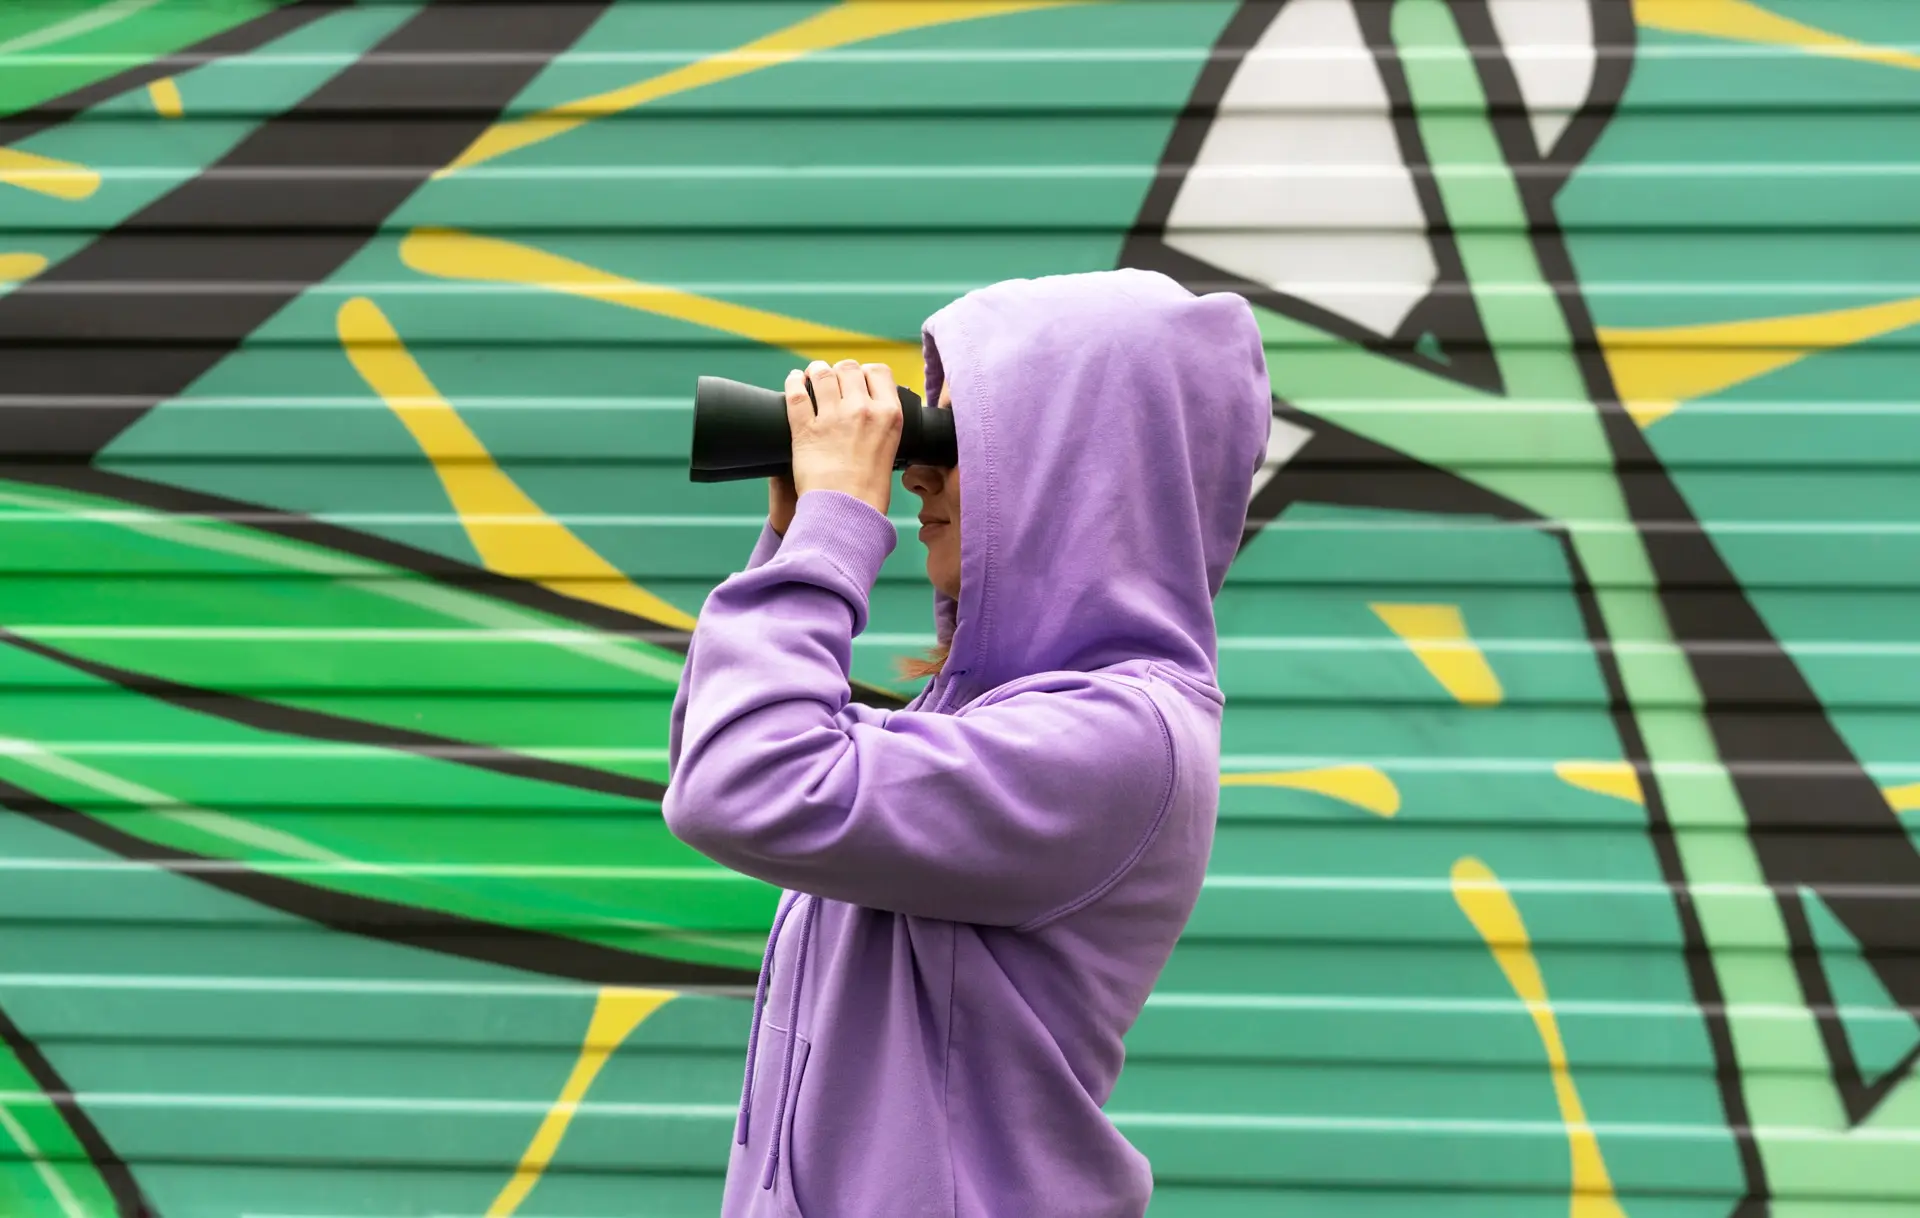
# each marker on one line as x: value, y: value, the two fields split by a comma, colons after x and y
x: 848, y: 442
x: 782, y: 498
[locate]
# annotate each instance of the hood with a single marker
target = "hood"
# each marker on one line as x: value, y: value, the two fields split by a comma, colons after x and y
x: 1109, y: 427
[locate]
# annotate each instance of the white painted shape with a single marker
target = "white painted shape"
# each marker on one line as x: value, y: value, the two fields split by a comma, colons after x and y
x: 1374, y: 279
x: 76, y: 25
x: 1311, y: 57
x: 1303, y: 148
x: 1550, y: 44
x: 1284, y: 439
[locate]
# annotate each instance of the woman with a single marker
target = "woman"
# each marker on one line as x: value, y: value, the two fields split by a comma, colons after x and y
x: 982, y: 888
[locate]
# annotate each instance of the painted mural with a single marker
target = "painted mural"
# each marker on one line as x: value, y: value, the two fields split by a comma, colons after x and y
x: 347, y: 557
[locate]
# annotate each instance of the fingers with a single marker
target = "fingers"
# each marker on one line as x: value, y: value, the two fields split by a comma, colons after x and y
x: 836, y: 387
x: 886, y: 395
x: 827, y: 386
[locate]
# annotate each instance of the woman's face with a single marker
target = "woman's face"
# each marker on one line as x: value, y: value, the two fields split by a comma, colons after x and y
x: 939, y: 491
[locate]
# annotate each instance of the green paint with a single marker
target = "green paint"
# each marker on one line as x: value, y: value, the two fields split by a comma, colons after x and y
x: 53, y: 47
x: 1331, y: 1037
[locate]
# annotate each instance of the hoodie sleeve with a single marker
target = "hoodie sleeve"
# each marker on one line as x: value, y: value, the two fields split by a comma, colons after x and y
x: 1007, y: 814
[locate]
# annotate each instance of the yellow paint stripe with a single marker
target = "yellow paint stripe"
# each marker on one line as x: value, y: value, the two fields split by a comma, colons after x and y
x: 1437, y: 636
x: 512, y: 534
x: 166, y: 98
x: 46, y: 176
x: 450, y: 254
x: 1617, y: 779
x: 1656, y: 370
x: 1904, y: 799
x: 16, y: 268
x: 1363, y: 786
x: 1743, y: 21
x: 1487, y: 905
x: 616, y: 1013
x: 844, y: 24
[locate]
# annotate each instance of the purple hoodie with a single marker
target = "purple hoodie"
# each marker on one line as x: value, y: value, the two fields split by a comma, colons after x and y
x: 982, y: 888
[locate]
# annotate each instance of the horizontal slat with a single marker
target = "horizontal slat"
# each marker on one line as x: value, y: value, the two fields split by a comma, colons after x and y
x: 931, y: 199
x: 496, y: 686
x: 1788, y: 554
x: 295, y: 783
x: 1252, y: 910
x: 1622, y: 1036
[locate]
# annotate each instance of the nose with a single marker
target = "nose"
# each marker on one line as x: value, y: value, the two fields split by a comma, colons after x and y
x: 923, y: 480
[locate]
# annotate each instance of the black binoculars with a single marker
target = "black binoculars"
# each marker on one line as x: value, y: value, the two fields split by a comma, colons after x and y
x: 741, y: 431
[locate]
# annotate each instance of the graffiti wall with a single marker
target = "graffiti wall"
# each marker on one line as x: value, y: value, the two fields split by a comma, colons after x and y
x: 347, y: 557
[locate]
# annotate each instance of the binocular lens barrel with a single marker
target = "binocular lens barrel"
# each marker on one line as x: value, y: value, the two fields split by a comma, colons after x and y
x: 740, y: 431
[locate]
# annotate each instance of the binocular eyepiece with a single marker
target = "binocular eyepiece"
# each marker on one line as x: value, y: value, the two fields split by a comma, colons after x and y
x: 741, y: 431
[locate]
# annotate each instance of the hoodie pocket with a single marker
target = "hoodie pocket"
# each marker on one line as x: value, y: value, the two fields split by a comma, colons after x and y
x: 767, y: 1117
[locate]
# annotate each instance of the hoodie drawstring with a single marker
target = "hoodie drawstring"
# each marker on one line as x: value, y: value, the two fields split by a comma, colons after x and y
x: 793, y: 1035
x: 759, y: 1005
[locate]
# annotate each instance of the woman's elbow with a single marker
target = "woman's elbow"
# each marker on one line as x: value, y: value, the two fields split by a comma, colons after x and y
x: 716, y: 811
x: 693, y: 809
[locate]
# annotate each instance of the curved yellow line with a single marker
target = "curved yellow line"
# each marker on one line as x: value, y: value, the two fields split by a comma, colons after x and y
x: 1487, y: 905
x: 616, y: 1013
x: 451, y: 254
x: 1437, y: 636
x: 1656, y: 371
x: 1904, y: 799
x: 1744, y: 21
x: 849, y: 22
x: 512, y: 534
x: 46, y: 176
x: 1363, y: 786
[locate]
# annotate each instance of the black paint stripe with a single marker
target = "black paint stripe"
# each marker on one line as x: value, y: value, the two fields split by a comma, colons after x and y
x: 128, y: 1200
x: 1863, y: 863
x: 239, y: 40
x: 318, y: 725
x: 1449, y: 312
x: 533, y: 951
x: 445, y: 50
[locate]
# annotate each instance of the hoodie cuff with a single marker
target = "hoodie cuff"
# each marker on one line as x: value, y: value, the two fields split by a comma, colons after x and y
x: 847, y: 532
x: 765, y: 548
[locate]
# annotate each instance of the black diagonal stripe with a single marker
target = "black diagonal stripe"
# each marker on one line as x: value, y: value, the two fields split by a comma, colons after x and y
x: 535, y: 951
x: 128, y: 1200
x: 295, y: 526
x: 336, y: 181
x: 240, y: 39
x: 318, y: 725
x: 1791, y: 767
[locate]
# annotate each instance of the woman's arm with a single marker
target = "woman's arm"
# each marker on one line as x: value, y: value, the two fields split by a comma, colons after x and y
x: 1003, y: 815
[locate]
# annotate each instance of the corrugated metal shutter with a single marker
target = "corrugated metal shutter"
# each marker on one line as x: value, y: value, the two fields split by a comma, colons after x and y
x: 345, y: 544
